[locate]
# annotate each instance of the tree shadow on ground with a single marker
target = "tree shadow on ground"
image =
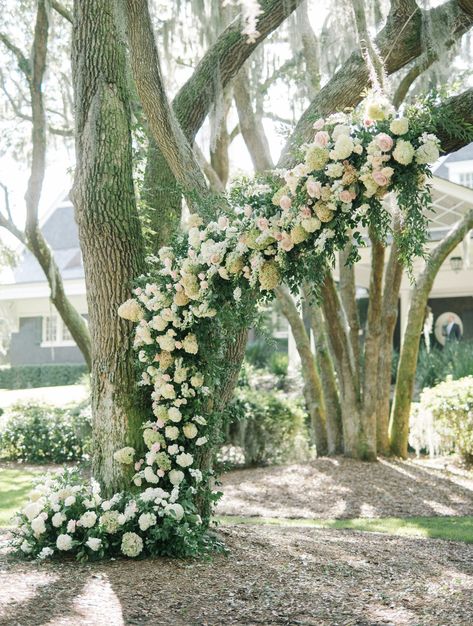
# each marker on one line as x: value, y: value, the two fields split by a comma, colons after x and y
x: 271, y: 576
x: 345, y: 488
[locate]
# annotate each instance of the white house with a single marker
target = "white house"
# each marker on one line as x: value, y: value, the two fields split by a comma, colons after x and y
x: 38, y: 335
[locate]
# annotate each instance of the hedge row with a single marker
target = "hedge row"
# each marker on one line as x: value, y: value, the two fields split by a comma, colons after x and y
x: 29, y: 376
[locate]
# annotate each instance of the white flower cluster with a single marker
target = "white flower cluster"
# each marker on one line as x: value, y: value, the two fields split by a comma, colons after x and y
x: 347, y: 170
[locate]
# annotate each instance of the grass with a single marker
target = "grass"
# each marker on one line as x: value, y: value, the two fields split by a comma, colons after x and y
x: 15, y: 485
x: 451, y: 528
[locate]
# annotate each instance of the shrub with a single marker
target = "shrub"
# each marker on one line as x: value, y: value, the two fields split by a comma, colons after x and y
x: 45, y: 434
x: 454, y: 360
x: 278, y: 364
x: 30, y: 376
x: 268, y: 427
x: 445, y: 417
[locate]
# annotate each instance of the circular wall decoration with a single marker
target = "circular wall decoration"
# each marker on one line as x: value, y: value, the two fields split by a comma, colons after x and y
x: 442, y: 323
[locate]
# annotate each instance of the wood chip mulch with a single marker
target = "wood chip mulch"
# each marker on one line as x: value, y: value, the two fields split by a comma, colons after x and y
x: 345, y: 488
x: 273, y: 575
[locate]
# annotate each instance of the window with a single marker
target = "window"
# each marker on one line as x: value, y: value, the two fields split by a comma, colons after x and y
x: 466, y: 179
x: 55, y: 333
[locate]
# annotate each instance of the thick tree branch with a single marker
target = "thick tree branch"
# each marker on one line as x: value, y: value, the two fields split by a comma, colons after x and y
x: 161, y: 119
x: 22, y: 61
x: 399, y: 42
x: 62, y: 10
x: 347, y: 287
x: 462, y: 107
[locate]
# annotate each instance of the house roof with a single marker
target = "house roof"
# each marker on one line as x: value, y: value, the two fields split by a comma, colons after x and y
x: 464, y: 154
x: 60, y: 231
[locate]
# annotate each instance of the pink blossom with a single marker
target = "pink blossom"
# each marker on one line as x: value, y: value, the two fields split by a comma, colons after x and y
x: 204, y: 284
x: 262, y: 223
x: 166, y: 377
x: 318, y: 124
x: 202, y: 235
x: 321, y: 139
x: 247, y: 210
x: 173, y: 276
x: 155, y: 447
x: 160, y: 473
x: 160, y: 424
x: 369, y: 122
x: 379, y: 178
x: 285, y: 203
x: 305, y: 211
x: 286, y: 243
x: 138, y: 466
x: 178, y: 287
x: 345, y: 196
x: 384, y: 142
x: 178, y: 345
x: 201, y: 275
x: 277, y: 235
x: 313, y: 188
x: 215, y: 259
x: 223, y: 222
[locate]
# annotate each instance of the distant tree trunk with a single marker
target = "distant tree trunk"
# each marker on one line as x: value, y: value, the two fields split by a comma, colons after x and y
x: 410, y: 348
x: 333, y: 411
x: 312, y: 386
x: 109, y: 229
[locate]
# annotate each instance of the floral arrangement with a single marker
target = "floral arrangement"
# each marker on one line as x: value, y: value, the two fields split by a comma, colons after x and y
x: 212, y: 276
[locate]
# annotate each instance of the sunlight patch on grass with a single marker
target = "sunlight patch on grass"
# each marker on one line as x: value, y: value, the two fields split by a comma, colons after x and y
x: 452, y: 528
x: 15, y: 485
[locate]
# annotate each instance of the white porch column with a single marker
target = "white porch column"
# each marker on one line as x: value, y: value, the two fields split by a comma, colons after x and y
x: 406, y: 296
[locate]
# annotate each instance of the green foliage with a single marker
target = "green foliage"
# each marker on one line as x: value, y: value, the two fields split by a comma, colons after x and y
x: 268, y: 427
x: 454, y: 360
x: 32, y: 376
x: 451, y: 406
x: 45, y: 434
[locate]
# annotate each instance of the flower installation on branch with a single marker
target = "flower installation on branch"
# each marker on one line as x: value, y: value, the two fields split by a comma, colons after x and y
x: 201, y: 291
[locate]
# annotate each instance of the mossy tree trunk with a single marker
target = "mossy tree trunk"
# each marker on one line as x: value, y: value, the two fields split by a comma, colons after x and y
x: 109, y: 228
x: 410, y: 347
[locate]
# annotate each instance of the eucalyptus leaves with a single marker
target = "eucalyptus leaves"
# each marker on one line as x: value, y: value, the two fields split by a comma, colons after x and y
x: 203, y: 288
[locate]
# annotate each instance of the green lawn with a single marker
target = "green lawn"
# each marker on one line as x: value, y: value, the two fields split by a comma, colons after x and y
x: 15, y: 485
x: 453, y: 528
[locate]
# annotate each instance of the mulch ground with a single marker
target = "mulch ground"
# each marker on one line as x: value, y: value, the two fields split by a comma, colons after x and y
x: 345, y: 488
x: 277, y: 575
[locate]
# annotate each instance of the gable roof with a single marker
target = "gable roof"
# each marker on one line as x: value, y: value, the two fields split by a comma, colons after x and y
x: 464, y: 154
x: 61, y: 233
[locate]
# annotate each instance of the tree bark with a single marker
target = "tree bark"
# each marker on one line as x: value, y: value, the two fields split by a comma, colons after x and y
x: 410, y: 349
x: 109, y: 229
x: 312, y: 386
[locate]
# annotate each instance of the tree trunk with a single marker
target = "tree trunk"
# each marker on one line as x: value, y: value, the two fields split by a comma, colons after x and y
x: 109, y: 229
x: 410, y: 348
x: 333, y: 411
x: 312, y: 386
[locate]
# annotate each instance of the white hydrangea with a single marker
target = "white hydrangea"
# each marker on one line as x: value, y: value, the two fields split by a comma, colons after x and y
x: 427, y: 153
x: 88, y: 519
x: 174, y: 414
x: 150, y: 476
x: 146, y: 520
x: 132, y: 544
x: 58, y: 519
x: 175, y: 510
x: 189, y: 430
x: 64, y: 542
x: 399, y: 126
x: 403, y: 152
x: 171, y: 432
x: 38, y: 526
x: 94, y: 543
x: 131, y: 310
x: 124, y: 455
x: 45, y: 553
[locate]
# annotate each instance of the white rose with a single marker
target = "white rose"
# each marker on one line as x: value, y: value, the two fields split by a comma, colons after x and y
x: 184, y: 459
x: 64, y: 542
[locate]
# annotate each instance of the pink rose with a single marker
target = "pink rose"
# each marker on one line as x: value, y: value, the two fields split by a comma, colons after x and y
x: 321, y: 139
x: 223, y: 222
x: 262, y: 223
x: 201, y: 276
x: 215, y: 259
x: 379, y: 178
x: 155, y: 447
x: 285, y: 203
x: 384, y: 142
x: 369, y: 122
x: 277, y: 235
x: 320, y: 123
x: 345, y: 196
x: 138, y: 465
x: 286, y: 243
x: 313, y: 188
x: 160, y: 424
x: 305, y: 211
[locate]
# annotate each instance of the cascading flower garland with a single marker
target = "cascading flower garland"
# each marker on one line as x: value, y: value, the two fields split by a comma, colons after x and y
x: 210, y: 278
